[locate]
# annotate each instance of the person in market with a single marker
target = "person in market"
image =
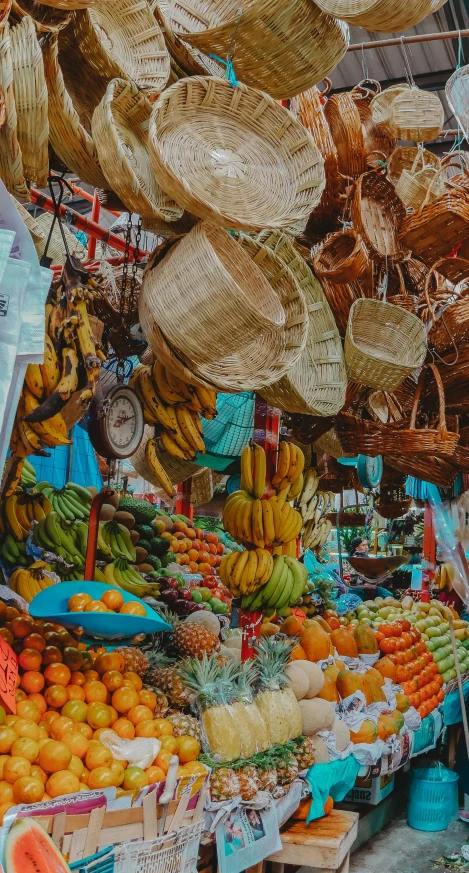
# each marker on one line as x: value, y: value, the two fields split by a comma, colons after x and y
x: 359, y: 548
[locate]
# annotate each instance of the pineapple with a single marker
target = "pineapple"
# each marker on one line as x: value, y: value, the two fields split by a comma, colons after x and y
x: 249, y: 782
x: 254, y: 736
x: 221, y: 732
x: 162, y: 702
x: 273, y: 656
x: 194, y: 640
x: 185, y: 725
x: 134, y: 658
x: 224, y: 784
x: 287, y: 770
x: 162, y: 673
x: 268, y: 778
x: 305, y: 753
x: 292, y: 712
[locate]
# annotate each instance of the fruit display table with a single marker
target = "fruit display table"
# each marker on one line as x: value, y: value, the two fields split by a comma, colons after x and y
x: 322, y: 845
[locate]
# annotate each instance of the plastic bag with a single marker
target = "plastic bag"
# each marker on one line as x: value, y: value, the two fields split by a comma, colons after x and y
x: 140, y: 752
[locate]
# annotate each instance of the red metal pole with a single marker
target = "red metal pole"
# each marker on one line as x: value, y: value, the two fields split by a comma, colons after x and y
x: 95, y: 211
x: 183, y: 499
x: 90, y: 197
x: 96, y: 504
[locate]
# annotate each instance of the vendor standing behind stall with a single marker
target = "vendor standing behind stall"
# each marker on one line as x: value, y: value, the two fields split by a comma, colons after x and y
x: 359, y: 548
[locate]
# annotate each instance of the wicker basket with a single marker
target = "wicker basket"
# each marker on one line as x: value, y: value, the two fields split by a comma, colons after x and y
x: 34, y: 228
x: 120, y: 132
x: 393, y: 502
x: 46, y: 19
x: 377, y: 214
x: 436, y: 229
x: 381, y: 107
x: 5, y: 6
x: 56, y: 249
x: 123, y: 40
x: 457, y: 92
x: 346, y: 129
x: 202, y: 487
x: 282, y: 49
x: 340, y: 298
x: 417, y: 115
x: 234, y: 156
x: 380, y: 15
x: 342, y: 257
x: 378, y: 144
x: 317, y: 384
x: 188, y: 60
x: 74, y: 4
x: 429, y: 468
x: 383, y: 344
x: 410, y: 158
x: 418, y: 181
x: 11, y: 160
x: 450, y: 327
x: 31, y: 101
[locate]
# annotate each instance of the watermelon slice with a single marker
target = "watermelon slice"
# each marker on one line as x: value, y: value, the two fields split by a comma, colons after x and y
x: 30, y: 850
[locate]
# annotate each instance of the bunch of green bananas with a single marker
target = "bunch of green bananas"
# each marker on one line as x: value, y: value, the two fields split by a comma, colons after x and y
x: 114, y: 541
x: 14, y: 552
x: 284, y: 588
x: 121, y: 575
x: 28, y: 475
x: 70, y: 502
x: 66, y: 539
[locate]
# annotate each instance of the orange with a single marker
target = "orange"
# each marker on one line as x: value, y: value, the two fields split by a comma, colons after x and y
x: 28, y: 789
x: 101, y: 777
x: 30, y: 659
x: 109, y: 661
x: 4, y: 808
x: 124, y: 699
x: 112, y: 679
x: 76, y: 742
x: 134, y: 678
x: 49, y: 716
x: 98, y: 716
x: 164, y: 727
x: 10, y: 719
x: 147, y: 698
x: 20, y: 695
x: 97, y: 733
x: 117, y: 771
x: 76, y: 710
x: 95, y: 692
x: 42, y: 742
x: 155, y: 774
x: 34, y: 641
x: 25, y: 747
x: 139, y: 713
x: 39, y: 700
x: 16, y: 767
x: 170, y: 744
x: 135, y: 777
x: 24, y: 727
x: 54, y: 756
x: 78, y: 602
x: 182, y: 772
x: 62, y: 782
x: 60, y: 725
x: 85, y: 775
x: 51, y: 655
x: 188, y: 749
x: 114, y: 713
x: 162, y: 760
x: 7, y: 635
x: 6, y: 791
x: 44, y: 731
x: 38, y: 773
x: 97, y: 755
x: 56, y: 696
x: 57, y: 674
x: 112, y: 598
x: 76, y: 767
x: 29, y: 710
x: 75, y: 692
x: 133, y: 607
x: 195, y: 767
x: 20, y: 627
x: 77, y: 678
x: 32, y: 681
x: 95, y: 606
x: 86, y: 730
x: 146, y: 728
x: 3, y: 758
x: 125, y: 729
x: 73, y: 658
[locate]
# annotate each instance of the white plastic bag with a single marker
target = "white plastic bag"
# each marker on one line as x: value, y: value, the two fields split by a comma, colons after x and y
x: 140, y: 752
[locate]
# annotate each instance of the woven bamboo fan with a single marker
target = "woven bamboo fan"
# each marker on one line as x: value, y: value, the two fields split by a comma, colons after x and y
x: 11, y: 160
x: 342, y: 258
x: 383, y: 344
x: 233, y: 155
x: 122, y: 39
x: 120, y: 132
x: 317, y: 384
x: 346, y: 129
x: 412, y: 158
x: 380, y: 15
x: 381, y: 107
x: 31, y: 101
x: 417, y: 115
x: 377, y: 215
x: 56, y: 249
x: 434, y: 231
x: 46, y: 19
x: 282, y: 48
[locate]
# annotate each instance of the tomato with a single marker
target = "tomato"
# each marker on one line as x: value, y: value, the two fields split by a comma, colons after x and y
x: 333, y: 623
x: 407, y: 639
x: 389, y: 630
x: 401, y: 646
x: 400, y: 658
x: 388, y: 646
x: 379, y: 636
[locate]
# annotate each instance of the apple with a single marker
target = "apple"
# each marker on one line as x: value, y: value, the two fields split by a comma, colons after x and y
x: 169, y: 596
x: 205, y: 592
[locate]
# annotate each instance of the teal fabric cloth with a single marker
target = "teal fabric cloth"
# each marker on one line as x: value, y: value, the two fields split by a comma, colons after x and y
x: 452, y: 706
x: 335, y: 779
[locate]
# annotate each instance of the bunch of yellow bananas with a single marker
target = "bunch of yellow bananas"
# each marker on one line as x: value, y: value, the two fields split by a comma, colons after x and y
x: 19, y: 510
x: 244, y: 572
x: 289, y: 473
x: 253, y: 469
x: 28, y: 583
x: 175, y: 406
x: 264, y: 523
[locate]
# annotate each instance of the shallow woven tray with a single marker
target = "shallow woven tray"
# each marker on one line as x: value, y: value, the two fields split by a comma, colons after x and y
x: 190, y: 61
x: 46, y: 18
x: 377, y: 215
x: 417, y: 115
x: 11, y: 161
x: 233, y: 155
x: 380, y: 15
x: 31, y: 101
x: 318, y: 382
x: 120, y: 132
x: 74, y: 4
x: 346, y: 129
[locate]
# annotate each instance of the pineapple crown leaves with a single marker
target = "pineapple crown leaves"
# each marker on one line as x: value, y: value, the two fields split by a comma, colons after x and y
x: 276, y: 756
x: 229, y: 674
x: 273, y: 656
x: 203, y: 678
x: 248, y: 673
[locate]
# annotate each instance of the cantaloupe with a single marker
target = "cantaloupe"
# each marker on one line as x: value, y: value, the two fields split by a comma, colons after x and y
x: 29, y: 849
x: 299, y: 680
x: 344, y: 643
x: 318, y: 715
x: 321, y: 752
x: 367, y: 733
x: 315, y: 676
x: 342, y: 734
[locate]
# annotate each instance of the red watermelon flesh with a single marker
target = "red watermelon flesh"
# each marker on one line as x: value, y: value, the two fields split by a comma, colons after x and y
x: 30, y: 850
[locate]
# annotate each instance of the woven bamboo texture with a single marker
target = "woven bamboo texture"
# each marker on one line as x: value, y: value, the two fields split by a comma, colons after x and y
x: 346, y: 129
x: 69, y: 138
x: 5, y: 6
x: 378, y: 144
x: 393, y: 502
x: 46, y: 19
x: 2, y: 108
x: 139, y: 463
x: 420, y: 181
x: 377, y: 215
x: 383, y: 344
x: 429, y: 468
x: 120, y: 132
x: 282, y: 48
x: 34, y: 228
x: 342, y: 257
x: 11, y: 160
x: 123, y: 40
x: 74, y: 4
x: 454, y: 375
x: 202, y: 487
x: 340, y: 297
x: 208, y: 297
x: 317, y: 384
x: 234, y: 156
x: 412, y: 158
x: 169, y: 229
x: 111, y: 281
x: 31, y: 101
x: 380, y: 15
x: 433, y: 232
x: 451, y: 325
x: 457, y: 95
x: 189, y: 60
x: 381, y: 107
x: 417, y: 115
x: 329, y: 444
x: 56, y: 250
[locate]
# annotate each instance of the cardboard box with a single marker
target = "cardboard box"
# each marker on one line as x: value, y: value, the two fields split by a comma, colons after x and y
x: 371, y: 791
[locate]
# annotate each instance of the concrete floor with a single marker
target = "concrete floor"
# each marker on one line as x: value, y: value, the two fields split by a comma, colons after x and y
x: 400, y: 849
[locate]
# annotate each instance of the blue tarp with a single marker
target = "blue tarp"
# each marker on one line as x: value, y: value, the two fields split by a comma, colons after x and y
x: 84, y: 469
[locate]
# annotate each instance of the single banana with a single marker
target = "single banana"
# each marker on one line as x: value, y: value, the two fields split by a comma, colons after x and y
x: 257, y: 523
x: 34, y: 380
x: 268, y: 522
x: 153, y: 402
x: 277, y: 517
x: 283, y: 463
x: 178, y: 386
x: 68, y: 383
x: 17, y: 529
x: 50, y: 369
x: 160, y: 381
x: 248, y: 577
x: 208, y: 400
x: 296, y: 488
x: 259, y: 470
x: 173, y: 449
x: 52, y: 432
x: 188, y: 428
x: 247, y: 479
x: 177, y: 433
x: 238, y: 568
x: 156, y: 467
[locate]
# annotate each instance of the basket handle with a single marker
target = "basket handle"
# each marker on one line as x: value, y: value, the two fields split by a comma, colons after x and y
x: 441, y: 398
x: 325, y: 91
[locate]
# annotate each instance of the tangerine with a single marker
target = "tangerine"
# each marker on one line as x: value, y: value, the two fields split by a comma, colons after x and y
x: 97, y: 755
x: 112, y: 679
x: 28, y: 789
x: 91, y: 675
x: 77, y: 678
x: 51, y: 655
x: 3, y: 758
x: 6, y: 791
x: 162, y: 759
x: 125, y: 729
x: 16, y: 767
x: 171, y: 744
x: 75, y: 692
x: 7, y: 635
x: 101, y: 777
x: 20, y: 627
x: 39, y: 700
x: 60, y: 725
x: 62, y: 782
x: 148, y: 698
x: 155, y: 774
x: 56, y: 696
x: 25, y: 727
x: 76, y: 710
x: 133, y: 607
x: 86, y: 730
x: 146, y: 728
x: 117, y: 771
x: 76, y: 766
x: 135, y: 679
x: 39, y: 773
x: 78, y: 602
x: 54, y: 757
x: 135, y: 777
x: 34, y: 641
x: 49, y: 716
x: 164, y: 727
x: 139, y: 713
x: 32, y: 682
x: 98, y: 716
x: 112, y: 598
x: 114, y: 713
x: 95, y: 692
x: 73, y: 658
x: 4, y: 808
x: 25, y: 747
x: 57, y: 674
x: 76, y: 742
x: 123, y: 699
x: 30, y: 659
x: 95, y: 606
x: 29, y: 710
x: 109, y: 661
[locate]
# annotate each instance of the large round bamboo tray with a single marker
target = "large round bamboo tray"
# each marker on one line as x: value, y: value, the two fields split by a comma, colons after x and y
x: 74, y: 4
x: 457, y: 95
x: 282, y: 48
x: 380, y: 15
x: 11, y: 160
x: 342, y: 257
x: 381, y: 107
x: 168, y: 229
x: 377, y: 215
x: 346, y: 129
x: 383, y: 344
x: 120, y: 132
x: 208, y: 297
x: 417, y: 115
x: 69, y: 137
x: 234, y: 156
x: 123, y: 40
x: 31, y: 101
x: 316, y: 385
x: 46, y: 19
x: 191, y: 61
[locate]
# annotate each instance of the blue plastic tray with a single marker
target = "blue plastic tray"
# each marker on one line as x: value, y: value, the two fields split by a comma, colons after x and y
x: 51, y: 604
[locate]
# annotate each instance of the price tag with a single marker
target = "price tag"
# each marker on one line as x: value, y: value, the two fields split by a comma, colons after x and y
x: 8, y: 676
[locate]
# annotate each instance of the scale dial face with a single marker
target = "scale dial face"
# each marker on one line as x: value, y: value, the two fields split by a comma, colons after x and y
x: 370, y: 470
x: 119, y: 430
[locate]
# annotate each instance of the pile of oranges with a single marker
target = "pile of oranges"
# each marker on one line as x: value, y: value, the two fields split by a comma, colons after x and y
x: 199, y: 550
x: 110, y: 601
x: 66, y: 697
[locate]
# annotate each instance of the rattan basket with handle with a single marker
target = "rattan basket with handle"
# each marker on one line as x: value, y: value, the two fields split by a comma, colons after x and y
x: 342, y: 258
x: 378, y: 144
x: 417, y: 115
x: 435, y: 231
x: 346, y: 129
x: 427, y: 467
x: 46, y: 18
x: 282, y: 48
x: 383, y: 344
x: 31, y: 101
x: 412, y: 158
x: 56, y: 249
x: 11, y: 159
x: 377, y: 215
x: 381, y: 107
x: 412, y: 187
x: 233, y: 155
x: 380, y: 15
x: 120, y: 132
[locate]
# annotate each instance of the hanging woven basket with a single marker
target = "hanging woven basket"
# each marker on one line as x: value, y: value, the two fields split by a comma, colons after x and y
x: 342, y: 257
x: 457, y: 95
x: 383, y: 344
x: 31, y: 101
x: 46, y: 19
x: 379, y: 15
x: 377, y: 215
x: 408, y: 157
x: 74, y: 4
x: 346, y: 129
x: 393, y: 502
x: 426, y: 467
x: 11, y: 159
x: 435, y: 231
x: 56, y: 249
x: 5, y: 6
x: 381, y: 107
x: 417, y: 115
x: 190, y: 61
x: 234, y: 156
x: 378, y: 144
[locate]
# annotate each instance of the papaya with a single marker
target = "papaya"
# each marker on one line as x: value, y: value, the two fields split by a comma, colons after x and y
x: 376, y: 692
x: 344, y: 643
x: 387, y: 669
x: 366, y: 641
x: 386, y: 726
x: 402, y: 702
x: 340, y: 664
x: 325, y: 626
x: 367, y: 733
x: 29, y: 849
x: 315, y: 642
x: 399, y: 719
x: 332, y: 671
x: 302, y: 812
x: 349, y: 683
x: 298, y: 653
x: 376, y: 675
x: 291, y: 626
x: 329, y: 690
